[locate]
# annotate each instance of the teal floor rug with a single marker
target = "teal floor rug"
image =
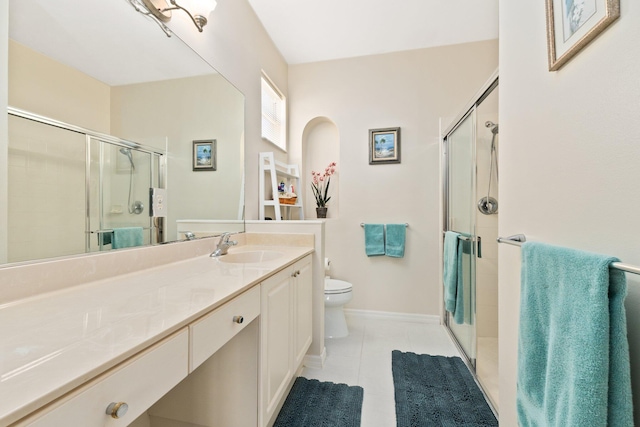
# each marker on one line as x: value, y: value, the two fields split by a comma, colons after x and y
x: 312, y: 403
x: 437, y: 391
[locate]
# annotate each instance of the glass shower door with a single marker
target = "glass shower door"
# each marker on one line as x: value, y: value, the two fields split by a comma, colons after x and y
x: 119, y: 182
x: 461, y: 218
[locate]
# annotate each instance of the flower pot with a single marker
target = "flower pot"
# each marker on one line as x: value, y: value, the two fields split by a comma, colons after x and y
x: 321, y: 212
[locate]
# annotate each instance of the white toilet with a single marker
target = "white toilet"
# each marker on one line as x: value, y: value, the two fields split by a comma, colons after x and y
x: 336, y: 294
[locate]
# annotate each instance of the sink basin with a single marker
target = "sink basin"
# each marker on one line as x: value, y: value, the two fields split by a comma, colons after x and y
x: 250, y: 257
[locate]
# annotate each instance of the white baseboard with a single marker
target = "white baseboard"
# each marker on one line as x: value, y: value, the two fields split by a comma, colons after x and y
x: 315, y: 361
x: 387, y: 315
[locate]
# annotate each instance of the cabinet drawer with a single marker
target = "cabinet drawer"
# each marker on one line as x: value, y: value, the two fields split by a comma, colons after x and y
x: 213, y: 331
x: 138, y: 382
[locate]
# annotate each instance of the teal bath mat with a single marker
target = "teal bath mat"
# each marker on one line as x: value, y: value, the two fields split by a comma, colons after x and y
x: 312, y: 403
x: 434, y: 391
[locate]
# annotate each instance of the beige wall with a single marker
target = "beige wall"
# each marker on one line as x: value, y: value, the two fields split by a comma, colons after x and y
x: 568, y: 160
x: 46, y: 87
x: 4, y: 127
x: 236, y: 44
x: 411, y: 90
x: 208, y: 107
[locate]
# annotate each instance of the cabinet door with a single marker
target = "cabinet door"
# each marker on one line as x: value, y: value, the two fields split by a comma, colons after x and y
x: 303, y: 312
x: 275, y: 341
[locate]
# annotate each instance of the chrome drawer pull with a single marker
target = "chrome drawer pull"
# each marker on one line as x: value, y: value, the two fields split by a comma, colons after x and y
x: 238, y: 319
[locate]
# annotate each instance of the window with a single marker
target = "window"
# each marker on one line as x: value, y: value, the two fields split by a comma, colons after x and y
x: 274, y: 113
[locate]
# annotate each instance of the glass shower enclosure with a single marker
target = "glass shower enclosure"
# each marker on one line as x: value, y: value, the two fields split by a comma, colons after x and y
x: 470, y: 193
x: 70, y: 187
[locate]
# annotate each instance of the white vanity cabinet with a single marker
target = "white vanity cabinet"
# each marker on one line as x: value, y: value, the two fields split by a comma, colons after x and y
x: 285, y: 333
x: 137, y: 383
x: 210, y: 333
x: 229, y: 365
x: 303, y: 312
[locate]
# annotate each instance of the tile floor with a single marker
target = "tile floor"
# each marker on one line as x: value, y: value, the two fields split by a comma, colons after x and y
x: 364, y: 358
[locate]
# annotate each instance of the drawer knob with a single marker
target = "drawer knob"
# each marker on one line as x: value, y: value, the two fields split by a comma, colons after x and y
x: 296, y: 273
x: 117, y: 410
x: 238, y: 319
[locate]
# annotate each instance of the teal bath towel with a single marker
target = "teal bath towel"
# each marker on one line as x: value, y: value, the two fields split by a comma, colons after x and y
x: 573, y: 353
x: 396, y: 234
x: 127, y: 237
x: 374, y: 239
x: 450, y: 273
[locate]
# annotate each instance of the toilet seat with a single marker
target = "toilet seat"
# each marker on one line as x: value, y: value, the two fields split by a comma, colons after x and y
x: 334, y: 286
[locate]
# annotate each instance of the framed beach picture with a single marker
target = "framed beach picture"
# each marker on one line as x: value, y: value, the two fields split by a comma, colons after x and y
x: 384, y: 146
x: 204, y: 155
x: 573, y: 24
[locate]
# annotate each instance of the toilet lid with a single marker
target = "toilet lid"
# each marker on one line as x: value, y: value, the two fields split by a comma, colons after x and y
x: 333, y: 286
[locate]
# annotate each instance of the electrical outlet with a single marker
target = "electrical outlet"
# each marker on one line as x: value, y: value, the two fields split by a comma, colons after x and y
x: 158, y: 203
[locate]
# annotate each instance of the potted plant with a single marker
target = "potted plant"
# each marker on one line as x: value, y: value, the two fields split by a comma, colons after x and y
x: 320, y: 187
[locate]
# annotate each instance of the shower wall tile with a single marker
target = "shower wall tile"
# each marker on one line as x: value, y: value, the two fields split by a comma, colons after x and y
x: 41, y: 162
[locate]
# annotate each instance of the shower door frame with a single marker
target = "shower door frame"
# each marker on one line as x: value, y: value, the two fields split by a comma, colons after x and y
x: 469, y: 110
x: 469, y: 114
x: 157, y: 224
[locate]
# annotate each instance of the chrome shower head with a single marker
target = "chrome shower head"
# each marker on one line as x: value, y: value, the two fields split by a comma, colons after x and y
x: 492, y: 126
x: 127, y: 152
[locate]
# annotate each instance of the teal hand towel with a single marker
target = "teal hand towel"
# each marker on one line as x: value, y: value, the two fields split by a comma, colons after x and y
x: 127, y: 237
x: 374, y: 239
x: 450, y: 270
x: 573, y: 354
x: 394, y: 246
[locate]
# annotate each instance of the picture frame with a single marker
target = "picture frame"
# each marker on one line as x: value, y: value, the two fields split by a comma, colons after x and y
x: 573, y: 24
x: 205, y: 155
x: 384, y: 146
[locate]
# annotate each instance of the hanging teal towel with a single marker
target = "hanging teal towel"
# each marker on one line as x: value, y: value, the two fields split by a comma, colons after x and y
x: 127, y: 237
x: 394, y: 246
x: 450, y: 274
x: 573, y: 354
x: 374, y: 239
x: 458, y: 292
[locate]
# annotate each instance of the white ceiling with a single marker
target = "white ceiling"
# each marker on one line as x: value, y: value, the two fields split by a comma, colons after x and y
x: 318, y: 30
x: 108, y: 41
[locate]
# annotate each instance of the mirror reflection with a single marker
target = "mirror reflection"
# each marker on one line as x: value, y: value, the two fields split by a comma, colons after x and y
x: 103, y: 108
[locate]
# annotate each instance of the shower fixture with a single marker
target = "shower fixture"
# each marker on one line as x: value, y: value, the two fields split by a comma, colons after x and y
x: 136, y: 207
x: 492, y: 126
x: 488, y: 205
x: 127, y: 152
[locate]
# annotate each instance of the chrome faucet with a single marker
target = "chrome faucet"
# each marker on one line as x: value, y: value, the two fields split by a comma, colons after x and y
x: 223, y: 245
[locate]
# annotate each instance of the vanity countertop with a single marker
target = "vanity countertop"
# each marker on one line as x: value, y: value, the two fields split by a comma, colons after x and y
x: 55, y: 342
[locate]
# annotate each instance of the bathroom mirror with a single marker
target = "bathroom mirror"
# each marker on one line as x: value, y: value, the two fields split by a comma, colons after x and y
x: 105, y: 67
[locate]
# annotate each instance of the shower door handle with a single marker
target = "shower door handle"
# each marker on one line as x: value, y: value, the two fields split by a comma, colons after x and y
x: 479, y: 240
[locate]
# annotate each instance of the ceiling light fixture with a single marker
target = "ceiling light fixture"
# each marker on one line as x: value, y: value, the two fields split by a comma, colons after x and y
x: 198, y: 10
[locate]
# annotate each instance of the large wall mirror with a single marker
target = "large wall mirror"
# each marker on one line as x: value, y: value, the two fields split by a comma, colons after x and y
x: 104, y: 106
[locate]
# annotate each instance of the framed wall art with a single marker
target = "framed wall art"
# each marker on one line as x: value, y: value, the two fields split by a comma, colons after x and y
x: 573, y: 24
x: 384, y: 146
x: 204, y: 155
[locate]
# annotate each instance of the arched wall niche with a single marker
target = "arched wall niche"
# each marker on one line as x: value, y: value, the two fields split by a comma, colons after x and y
x: 321, y: 146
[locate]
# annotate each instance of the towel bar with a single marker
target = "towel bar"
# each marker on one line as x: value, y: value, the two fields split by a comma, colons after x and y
x: 111, y: 230
x: 519, y: 239
x: 406, y: 224
x: 464, y: 237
